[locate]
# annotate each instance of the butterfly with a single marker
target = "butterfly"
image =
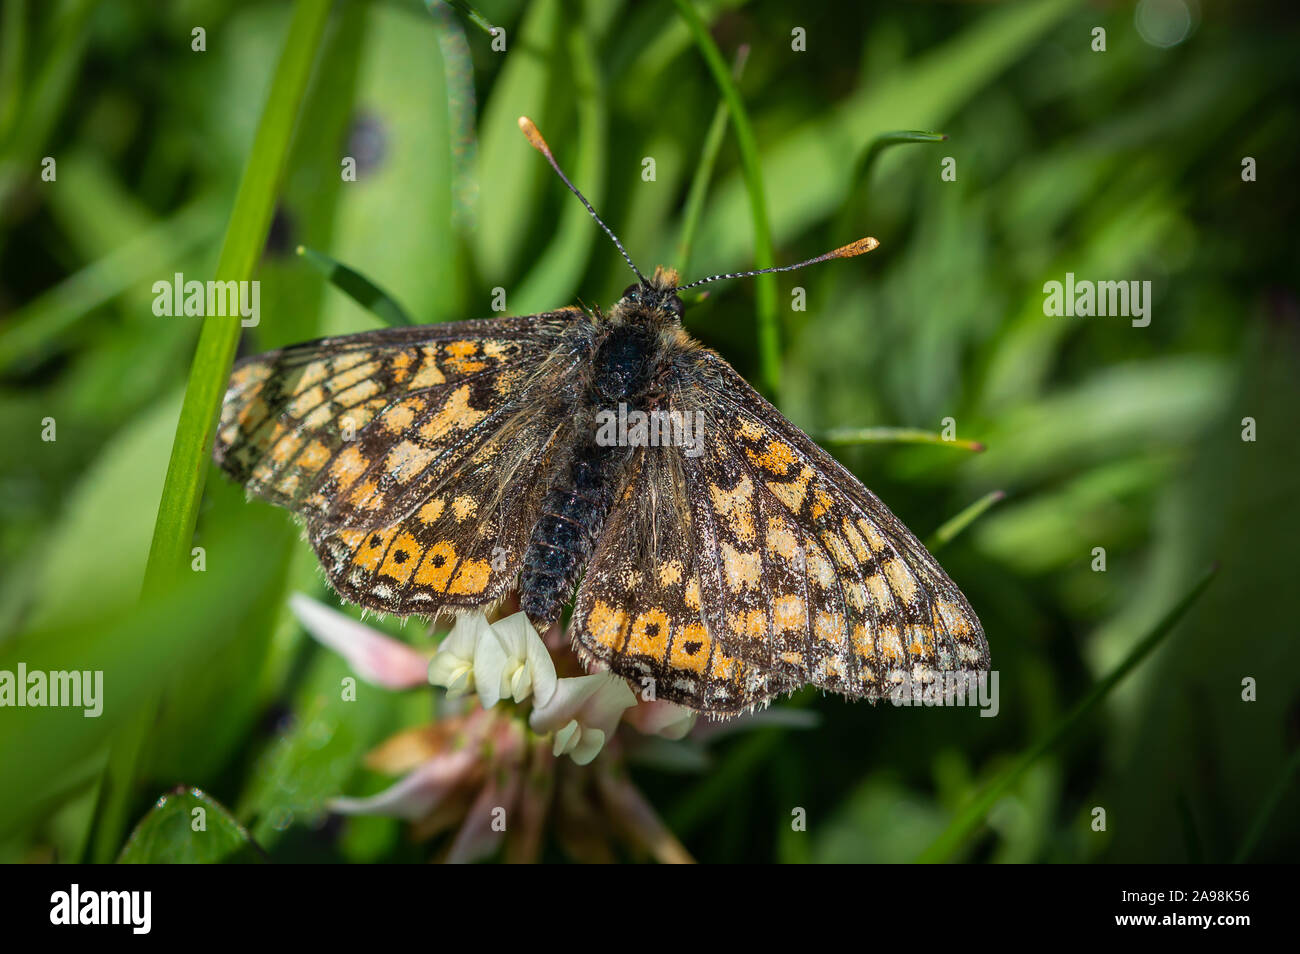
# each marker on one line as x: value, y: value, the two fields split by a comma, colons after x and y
x: 717, y: 553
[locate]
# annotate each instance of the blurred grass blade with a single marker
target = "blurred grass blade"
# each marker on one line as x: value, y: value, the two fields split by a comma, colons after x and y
x: 357, y: 287
x: 945, y: 534
x: 969, y: 817
x: 1266, y: 811
x: 769, y: 335
x: 13, y: 48
x: 178, y: 510
x: 883, y: 142
x: 894, y: 435
x: 704, y: 172
x: 467, y: 11
x: 167, y: 835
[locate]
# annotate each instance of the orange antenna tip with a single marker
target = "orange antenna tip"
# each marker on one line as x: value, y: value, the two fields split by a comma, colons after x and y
x: 860, y: 247
x: 530, y: 130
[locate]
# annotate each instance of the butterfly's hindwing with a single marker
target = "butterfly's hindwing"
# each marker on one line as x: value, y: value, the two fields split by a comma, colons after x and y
x: 639, y: 608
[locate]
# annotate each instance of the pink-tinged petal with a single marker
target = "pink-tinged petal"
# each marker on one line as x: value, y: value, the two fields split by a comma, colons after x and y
x: 416, y: 795
x: 661, y: 718
x: 378, y: 659
x: 486, y: 821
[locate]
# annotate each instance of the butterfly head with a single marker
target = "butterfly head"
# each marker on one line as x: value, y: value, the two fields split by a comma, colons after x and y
x: 656, y: 294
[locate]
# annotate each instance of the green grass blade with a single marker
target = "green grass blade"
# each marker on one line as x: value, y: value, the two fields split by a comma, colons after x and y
x: 357, y: 287
x: 467, y: 11
x: 188, y: 467
x: 894, y: 435
x: 974, y: 812
x: 1274, y: 799
x: 950, y: 528
x: 704, y: 172
x: 769, y: 334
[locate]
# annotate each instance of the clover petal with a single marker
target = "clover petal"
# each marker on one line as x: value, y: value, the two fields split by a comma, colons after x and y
x: 377, y: 658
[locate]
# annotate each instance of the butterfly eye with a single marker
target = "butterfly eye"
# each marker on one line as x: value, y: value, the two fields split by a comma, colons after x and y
x: 675, y: 305
x: 631, y: 291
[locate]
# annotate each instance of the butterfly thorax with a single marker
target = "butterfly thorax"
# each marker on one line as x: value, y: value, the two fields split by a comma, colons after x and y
x: 634, y: 343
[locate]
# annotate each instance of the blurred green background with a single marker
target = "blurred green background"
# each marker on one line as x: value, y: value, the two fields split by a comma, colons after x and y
x: 1123, y: 164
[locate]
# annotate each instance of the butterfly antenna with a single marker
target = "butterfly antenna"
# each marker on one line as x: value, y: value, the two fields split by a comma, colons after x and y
x: 538, y: 143
x: 860, y: 247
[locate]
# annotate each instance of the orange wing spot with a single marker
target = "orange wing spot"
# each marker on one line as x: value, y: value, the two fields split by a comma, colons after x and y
x: 437, y: 566
x: 455, y: 414
x: 399, y: 417
x: 855, y: 594
x: 820, y: 570
x: 828, y: 627
x: 372, y: 549
x: 692, y: 594
x: 471, y: 578
x: 838, y: 551
x: 252, y: 414
x: 458, y: 354
x: 367, y: 496
x: 359, y: 372
x: 891, y: 646
x: 650, y: 634
x: 793, y: 492
x: 432, y: 510
x: 737, y: 507
x: 357, y: 393
x: 749, y: 430
x: 954, y: 618
x: 407, y: 460
x: 306, y: 401
x: 690, y: 650
x: 863, y: 644
x: 403, y: 556
x: 901, y: 579
x: 789, y: 613
x: 314, y: 456
x: 344, y: 361
x: 285, y: 447
x: 464, y: 507
x: 353, y: 538
x: 876, y: 541
x: 752, y: 624
x: 855, y: 540
x: 607, y: 625
x: 777, y: 458
x: 740, y: 569
x: 429, y: 373
x: 794, y: 659
x: 724, y: 667
x: 670, y: 573
x: 401, y: 366
x: 881, y: 594
x: 821, y: 502
x: 781, y: 541
x: 348, y: 466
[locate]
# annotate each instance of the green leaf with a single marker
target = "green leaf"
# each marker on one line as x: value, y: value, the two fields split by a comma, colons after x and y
x: 187, y: 826
x: 357, y: 287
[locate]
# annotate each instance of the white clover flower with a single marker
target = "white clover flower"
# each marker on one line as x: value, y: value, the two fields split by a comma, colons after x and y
x: 583, y: 713
x: 452, y: 665
x: 512, y: 662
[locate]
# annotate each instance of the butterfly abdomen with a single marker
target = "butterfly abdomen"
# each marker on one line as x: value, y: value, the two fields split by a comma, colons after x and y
x: 575, y: 507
